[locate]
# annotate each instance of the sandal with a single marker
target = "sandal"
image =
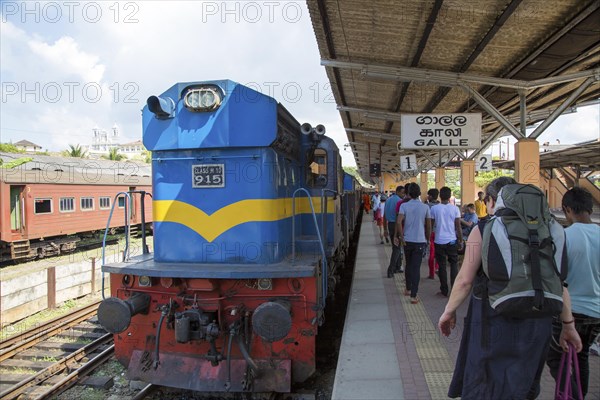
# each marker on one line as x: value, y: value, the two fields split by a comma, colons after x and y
x: 414, y: 300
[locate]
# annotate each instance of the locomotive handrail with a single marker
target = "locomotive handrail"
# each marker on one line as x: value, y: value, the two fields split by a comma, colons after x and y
x: 324, y: 201
x: 323, y: 255
x: 143, y: 194
x: 127, y: 217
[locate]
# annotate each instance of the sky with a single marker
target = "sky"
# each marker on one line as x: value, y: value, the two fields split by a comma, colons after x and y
x: 69, y: 66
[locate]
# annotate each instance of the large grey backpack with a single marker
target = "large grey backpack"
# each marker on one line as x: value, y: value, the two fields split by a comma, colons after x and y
x: 524, y: 255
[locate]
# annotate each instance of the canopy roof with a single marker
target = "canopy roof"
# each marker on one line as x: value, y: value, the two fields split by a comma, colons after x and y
x: 584, y: 157
x: 384, y: 58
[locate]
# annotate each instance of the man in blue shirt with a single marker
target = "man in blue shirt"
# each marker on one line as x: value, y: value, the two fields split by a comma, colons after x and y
x: 390, y: 217
x: 469, y: 220
x: 445, y: 218
x: 583, y: 278
x: 414, y: 236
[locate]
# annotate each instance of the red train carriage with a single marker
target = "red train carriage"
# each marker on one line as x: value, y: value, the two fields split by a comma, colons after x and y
x: 47, y: 204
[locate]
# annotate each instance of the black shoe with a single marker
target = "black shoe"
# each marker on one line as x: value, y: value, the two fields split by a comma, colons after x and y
x: 390, y: 273
x: 398, y: 270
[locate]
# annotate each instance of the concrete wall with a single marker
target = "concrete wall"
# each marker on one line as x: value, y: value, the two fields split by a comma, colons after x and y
x: 24, y: 295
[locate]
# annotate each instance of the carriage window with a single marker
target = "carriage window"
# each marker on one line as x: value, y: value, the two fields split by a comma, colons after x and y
x: 318, y: 169
x: 104, y: 203
x: 66, y: 204
x: 43, y: 206
x: 121, y: 203
x: 87, y: 203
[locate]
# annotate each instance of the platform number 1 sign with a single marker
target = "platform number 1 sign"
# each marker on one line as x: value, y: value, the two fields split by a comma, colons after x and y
x: 408, y: 162
x: 484, y: 162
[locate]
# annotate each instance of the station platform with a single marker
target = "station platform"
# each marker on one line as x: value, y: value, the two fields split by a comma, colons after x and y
x: 392, y: 349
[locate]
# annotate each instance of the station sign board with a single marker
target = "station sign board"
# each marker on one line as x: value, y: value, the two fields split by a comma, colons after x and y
x: 408, y: 162
x: 441, y: 131
x: 483, y: 162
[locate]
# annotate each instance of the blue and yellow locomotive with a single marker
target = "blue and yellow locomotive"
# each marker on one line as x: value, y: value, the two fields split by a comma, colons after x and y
x: 251, y: 223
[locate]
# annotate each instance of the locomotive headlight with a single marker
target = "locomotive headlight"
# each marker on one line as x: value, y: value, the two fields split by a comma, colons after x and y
x: 202, y: 99
x: 145, y: 281
x: 265, y: 284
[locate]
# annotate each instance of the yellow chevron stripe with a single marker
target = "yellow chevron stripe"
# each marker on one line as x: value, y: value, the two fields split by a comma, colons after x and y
x: 251, y: 210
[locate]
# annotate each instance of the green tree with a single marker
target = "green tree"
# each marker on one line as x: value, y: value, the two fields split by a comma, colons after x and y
x: 14, y: 163
x: 10, y: 148
x: 74, y: 151
x: 113, y: 155
x: 354, y: 172
x: 483, y: 178
x: 147, y: 156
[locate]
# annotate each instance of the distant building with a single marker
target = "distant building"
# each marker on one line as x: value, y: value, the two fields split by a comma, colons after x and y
x: 27, y: 146
x: 104, y: 141
x: 132, y: 149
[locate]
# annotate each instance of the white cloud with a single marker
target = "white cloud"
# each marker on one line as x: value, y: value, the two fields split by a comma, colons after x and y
x: 65, y: 54
x: 578, y: 127
x: 138, y: 49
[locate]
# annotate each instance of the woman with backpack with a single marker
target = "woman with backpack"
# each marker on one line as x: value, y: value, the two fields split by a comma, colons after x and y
x: 500, y: 357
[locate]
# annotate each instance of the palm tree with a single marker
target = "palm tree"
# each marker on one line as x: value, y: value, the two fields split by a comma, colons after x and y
x: 75, y: 151
x: 113, y: 155
x: 147, y: 156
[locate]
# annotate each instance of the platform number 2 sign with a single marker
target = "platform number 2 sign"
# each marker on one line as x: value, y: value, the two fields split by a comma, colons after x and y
x: 484, y: 162
x: 408, y: 162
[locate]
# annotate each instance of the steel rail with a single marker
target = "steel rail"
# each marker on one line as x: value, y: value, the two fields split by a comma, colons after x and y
x: 67, y: 362
x: 146, y: 391
x: 77, y: 375
x: 31, y: 337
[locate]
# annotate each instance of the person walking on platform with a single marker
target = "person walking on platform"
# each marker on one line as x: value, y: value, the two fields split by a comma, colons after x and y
x: 366, y: 202
x: 375, y: 200
x: 432, y: 200
x: 499, y: 357
x: 379, y: 220
x: 480, y: 208
x: 406, y: 198
x: 414, y: 236
x: 390, y: 216
x: 583, y: 278
x: 445, y: 218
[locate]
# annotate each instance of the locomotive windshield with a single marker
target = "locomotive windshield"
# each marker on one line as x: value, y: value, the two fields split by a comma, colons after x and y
x: 317, y: 172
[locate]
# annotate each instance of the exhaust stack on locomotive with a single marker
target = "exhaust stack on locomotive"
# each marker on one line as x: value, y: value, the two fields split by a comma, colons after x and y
x: 247, y: 238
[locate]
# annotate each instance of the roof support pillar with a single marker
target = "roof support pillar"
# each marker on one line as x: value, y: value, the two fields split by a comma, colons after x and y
x: 440, y: 177
x: 468, y: 192
x: 493, y: 111
x: 527, y: 161
x: 556, y: 113
x: 423, y: 185
x: 523, y: 112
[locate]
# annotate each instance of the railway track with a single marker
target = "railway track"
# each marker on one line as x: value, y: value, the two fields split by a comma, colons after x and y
x: 48, y: 359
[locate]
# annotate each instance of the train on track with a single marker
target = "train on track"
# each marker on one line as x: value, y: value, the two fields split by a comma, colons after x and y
x: 252, y: 220
x: 49, y: 204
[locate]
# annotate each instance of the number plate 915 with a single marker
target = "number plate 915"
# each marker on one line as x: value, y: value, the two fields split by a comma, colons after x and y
x: 208, y: 176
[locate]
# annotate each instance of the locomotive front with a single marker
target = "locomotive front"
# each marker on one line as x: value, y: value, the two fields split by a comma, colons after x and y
x: 222, y: 304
